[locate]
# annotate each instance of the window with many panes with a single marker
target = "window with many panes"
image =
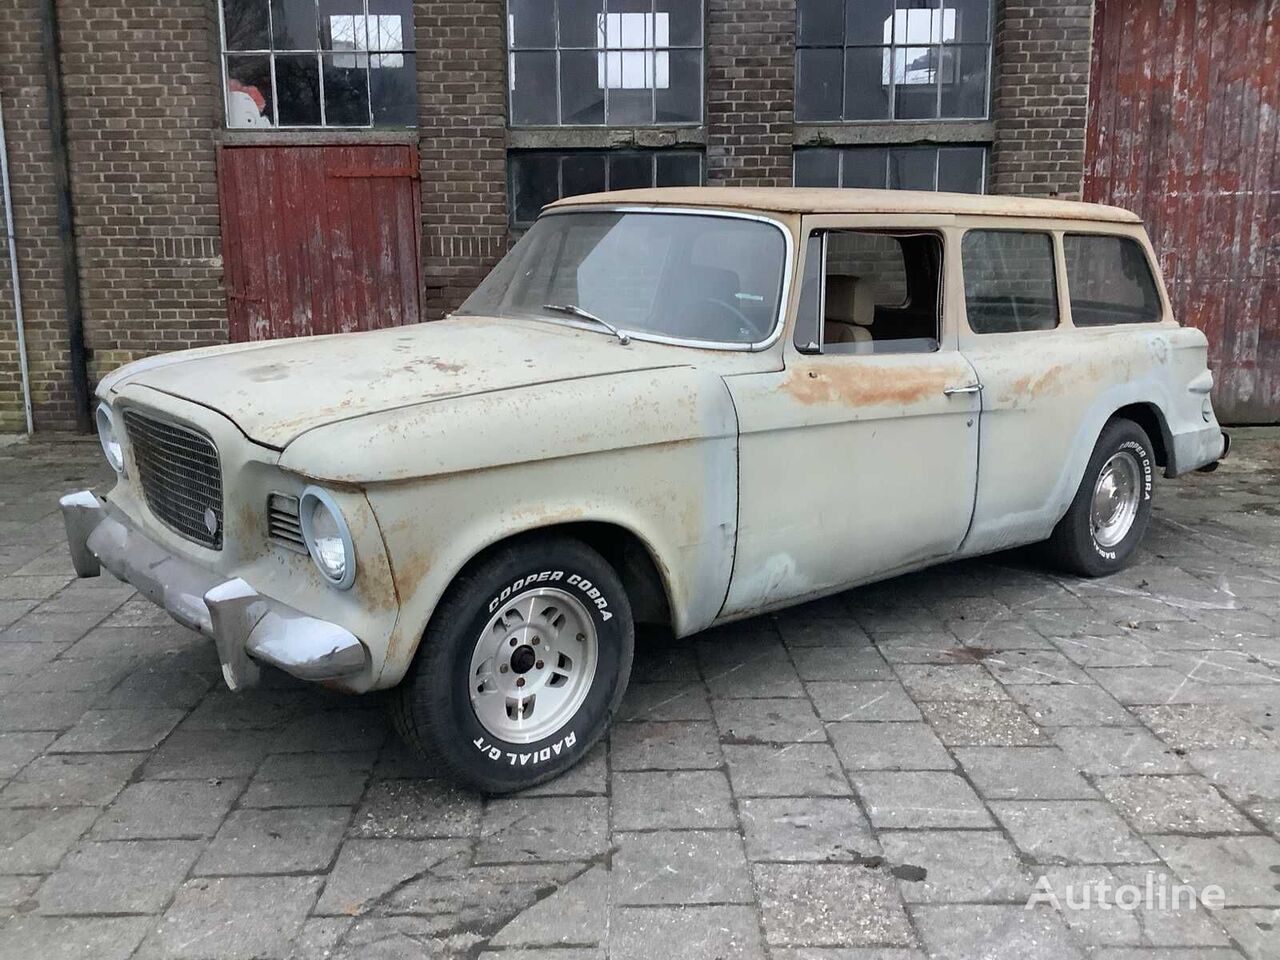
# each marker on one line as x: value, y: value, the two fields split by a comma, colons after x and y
x: 892, y: 59
x: 960, y: 169
x: 604, y: 62
x: 539, y: 177
x: 319, y: 63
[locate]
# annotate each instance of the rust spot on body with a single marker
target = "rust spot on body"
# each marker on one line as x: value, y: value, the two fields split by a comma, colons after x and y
x: 857, y: 385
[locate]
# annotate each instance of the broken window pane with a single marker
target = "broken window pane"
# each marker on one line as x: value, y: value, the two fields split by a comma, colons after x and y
x: 395, y: 19
x: 246, y: 25
x: 298, y: 87
x: 249, y: 92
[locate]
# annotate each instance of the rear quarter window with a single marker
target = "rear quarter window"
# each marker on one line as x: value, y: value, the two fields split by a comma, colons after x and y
x: 1009, y: 282
x: 1109, y: 281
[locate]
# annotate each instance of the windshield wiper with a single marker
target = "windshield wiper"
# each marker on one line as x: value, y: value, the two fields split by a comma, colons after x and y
x: 577, y: 311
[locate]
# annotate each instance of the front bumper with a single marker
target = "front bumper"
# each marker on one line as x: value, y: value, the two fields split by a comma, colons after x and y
x: 246, y: 626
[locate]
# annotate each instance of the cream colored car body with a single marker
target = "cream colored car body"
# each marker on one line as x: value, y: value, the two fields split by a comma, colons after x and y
x: 752, y: 478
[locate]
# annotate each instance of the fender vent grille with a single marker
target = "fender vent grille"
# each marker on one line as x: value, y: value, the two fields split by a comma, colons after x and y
x: 283, y: 526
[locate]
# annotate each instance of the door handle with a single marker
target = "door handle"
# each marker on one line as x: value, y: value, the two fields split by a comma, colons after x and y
x: 967, y: 388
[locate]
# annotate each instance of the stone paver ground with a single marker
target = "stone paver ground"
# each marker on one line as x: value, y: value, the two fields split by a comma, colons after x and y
x: 890, y: 773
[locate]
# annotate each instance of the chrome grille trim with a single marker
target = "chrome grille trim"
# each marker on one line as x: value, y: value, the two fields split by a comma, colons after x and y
x: 180, y: 475
x: 284, y: 527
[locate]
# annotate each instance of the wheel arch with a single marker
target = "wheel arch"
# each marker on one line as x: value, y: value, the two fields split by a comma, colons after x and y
x: 1151, y: 419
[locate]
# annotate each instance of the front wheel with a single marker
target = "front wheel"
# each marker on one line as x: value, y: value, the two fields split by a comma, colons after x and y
x: 522, y: 666
x: 1111, y: 511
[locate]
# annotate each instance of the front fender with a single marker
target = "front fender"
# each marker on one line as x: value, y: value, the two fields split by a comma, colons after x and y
x: 653, y: 453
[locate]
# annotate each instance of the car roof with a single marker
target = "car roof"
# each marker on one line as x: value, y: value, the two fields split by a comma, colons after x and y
x: 838, y: 200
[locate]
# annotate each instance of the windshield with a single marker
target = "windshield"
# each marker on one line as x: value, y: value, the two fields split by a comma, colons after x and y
x: 688, y: 276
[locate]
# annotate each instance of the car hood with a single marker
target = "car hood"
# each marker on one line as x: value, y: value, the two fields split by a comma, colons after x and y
x: 277, y: 390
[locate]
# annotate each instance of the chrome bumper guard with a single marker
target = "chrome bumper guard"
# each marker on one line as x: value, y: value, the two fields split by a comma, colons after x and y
x: 245, y: 625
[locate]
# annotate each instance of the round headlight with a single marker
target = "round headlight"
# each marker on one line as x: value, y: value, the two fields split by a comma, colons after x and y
x: 327, y: 537
x: 111, y: 448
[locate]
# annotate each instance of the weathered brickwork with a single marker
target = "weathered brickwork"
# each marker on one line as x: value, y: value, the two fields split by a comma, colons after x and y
x: 751, y: 56
x: 145, y: 118
x: 141, y: 97
x: 1041, y: 100
x: 462, y: 115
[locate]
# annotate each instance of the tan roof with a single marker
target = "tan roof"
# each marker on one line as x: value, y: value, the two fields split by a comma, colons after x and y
x: 832, y: 200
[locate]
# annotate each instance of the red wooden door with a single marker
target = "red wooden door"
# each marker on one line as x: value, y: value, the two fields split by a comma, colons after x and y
x: 1184, y: 104
x: 319, y: 239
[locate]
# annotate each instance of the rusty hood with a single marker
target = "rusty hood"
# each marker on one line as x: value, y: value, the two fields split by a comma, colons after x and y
x: 275, y: 391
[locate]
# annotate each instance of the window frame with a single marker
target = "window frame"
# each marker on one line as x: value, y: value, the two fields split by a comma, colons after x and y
x: 510, y: 49
x: 1058, y: 272
x: 1153, y: 272
x: 823, y: 230
x: 270, y: 53
x: 563, y: 154
x: 888, y: 148
x: 892, y: 49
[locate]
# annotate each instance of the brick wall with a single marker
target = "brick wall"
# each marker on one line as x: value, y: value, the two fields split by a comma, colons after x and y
x: 1041, y: 97
x: 462, y: 114
x: 751, y: 58
x: 141, y: 97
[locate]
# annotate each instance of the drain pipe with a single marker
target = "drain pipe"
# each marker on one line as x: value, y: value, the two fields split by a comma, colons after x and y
x: 52, y: 54
x: 12, y: 240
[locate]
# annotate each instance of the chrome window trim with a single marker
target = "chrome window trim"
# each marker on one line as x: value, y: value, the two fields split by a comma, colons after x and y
x: 788, y: 270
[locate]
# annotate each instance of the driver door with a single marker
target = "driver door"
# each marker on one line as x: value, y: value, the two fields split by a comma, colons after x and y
x: 859, y: 458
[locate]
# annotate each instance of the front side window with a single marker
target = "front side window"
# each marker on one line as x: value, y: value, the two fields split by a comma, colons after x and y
x: 879, y: 293
x: 951, y: 169
x: 893, y: 59
x: 702, y: 278
x: 604, y: 62
x: 539, y: 177
x: 1009, y: 281
x: 318, y: 63
x: 1109, y: 281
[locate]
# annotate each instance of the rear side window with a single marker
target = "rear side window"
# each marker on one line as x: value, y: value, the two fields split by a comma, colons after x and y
x: 1109, y: 281
x: 1009, y: 282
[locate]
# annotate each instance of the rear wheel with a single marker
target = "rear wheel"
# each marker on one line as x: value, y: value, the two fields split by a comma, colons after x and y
x: 1112, y: 508
x: 522, y: 666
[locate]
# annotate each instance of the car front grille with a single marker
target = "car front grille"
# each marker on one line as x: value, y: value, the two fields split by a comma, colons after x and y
x: 283, y: 524
x: 180, y: 475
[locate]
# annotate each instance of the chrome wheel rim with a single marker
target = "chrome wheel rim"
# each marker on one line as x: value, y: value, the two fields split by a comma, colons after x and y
x: 533, y: 665
x: 1116, y: 496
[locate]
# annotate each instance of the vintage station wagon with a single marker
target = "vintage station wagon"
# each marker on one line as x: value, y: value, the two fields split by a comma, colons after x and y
x: 681, y: 406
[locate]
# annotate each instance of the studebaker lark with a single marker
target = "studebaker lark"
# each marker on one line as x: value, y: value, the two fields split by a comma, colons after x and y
x: 680, y: 406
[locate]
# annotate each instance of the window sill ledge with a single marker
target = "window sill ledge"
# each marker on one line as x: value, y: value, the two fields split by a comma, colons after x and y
x: 893, y: 131
x: 603, y: 138
x: 304, y: 136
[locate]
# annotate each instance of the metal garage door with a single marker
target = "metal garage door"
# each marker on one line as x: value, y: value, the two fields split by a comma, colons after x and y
x: 1184, y: 105
x: 319, y: 239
